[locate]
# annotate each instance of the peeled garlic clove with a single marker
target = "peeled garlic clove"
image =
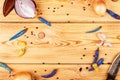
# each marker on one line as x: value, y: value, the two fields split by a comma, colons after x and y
x: 101, y: 36
x: 100, y: 44
x: 107, y: 44
x: 99, y: 7
x: 25, y: 8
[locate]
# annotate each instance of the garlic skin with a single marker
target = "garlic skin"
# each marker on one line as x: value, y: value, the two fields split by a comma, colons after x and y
x: 103, y: 41
x: 99, y: 6
x: 25, y: 8
x: 101, y: 36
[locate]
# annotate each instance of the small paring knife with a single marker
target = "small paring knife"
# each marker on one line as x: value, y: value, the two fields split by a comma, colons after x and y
x: 113, y: 70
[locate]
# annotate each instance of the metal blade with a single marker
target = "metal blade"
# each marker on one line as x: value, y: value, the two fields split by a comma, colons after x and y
x: 114, y: 68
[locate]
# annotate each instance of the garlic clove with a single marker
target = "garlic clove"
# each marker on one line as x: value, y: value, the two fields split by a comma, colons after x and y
x: 100, y: 44
x: 101, y: 36
x: 99, y: 6
x: 25, y: 8
x: 107, y: 44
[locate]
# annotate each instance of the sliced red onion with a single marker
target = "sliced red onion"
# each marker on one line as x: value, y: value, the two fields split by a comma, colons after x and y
x: 25, y: 8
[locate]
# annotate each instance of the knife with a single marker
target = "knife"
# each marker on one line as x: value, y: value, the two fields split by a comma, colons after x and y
x: 113, y: 70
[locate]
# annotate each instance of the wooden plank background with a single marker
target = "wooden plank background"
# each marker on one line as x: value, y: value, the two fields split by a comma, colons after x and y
x: 71, y: 10
x: 65, y: 72
x: 66, y: 46
x: 68, y: 43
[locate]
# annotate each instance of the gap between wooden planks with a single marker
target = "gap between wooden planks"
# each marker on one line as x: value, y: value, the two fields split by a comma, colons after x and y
x: 63, y: 11
x: 65, y: 72
x: 69, y: 43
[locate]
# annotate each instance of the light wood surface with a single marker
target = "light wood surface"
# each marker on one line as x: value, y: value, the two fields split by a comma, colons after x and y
x: 66, y: 46
x: 65, y: 72
x: 64, y: 11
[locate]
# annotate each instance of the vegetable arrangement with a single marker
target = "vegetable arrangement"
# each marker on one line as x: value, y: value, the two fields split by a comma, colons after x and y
x: 27, y: 9
x: 100, y: 8
x: 24, y: 8
x: 24, y: 75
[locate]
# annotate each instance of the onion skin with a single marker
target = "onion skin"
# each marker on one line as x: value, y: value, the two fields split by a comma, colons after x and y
x: 23, y: 76
x: 25, y: 8
x: 8, y: 7
x: 99, y: 6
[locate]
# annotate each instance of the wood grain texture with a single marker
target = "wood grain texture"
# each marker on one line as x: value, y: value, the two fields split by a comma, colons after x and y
x: 63, y: 43
x: 66, y: 46
x: 63, y: 11
x: 65, y: 72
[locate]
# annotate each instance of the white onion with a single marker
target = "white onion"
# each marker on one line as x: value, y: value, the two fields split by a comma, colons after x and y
x: 23, y: 76
x: 99, y: 7
x: 25, y: 8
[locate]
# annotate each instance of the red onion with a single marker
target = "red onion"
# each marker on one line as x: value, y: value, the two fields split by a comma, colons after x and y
x: 25, y: 8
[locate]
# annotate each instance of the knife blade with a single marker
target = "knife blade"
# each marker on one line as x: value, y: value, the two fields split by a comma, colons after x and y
x: 113, y: 70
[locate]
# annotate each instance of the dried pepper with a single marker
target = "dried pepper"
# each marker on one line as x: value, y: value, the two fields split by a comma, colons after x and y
x: 51, y: 74
x: 45, y: 21
x: 5, y: 67
x: 96, y: 56
x: 112, y: 14
x: 98, y: 64
x: 95, y: 30
x: 18, y: 34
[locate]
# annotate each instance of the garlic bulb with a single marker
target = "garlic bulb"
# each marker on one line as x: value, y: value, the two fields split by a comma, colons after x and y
x: 25, y: 8
x: 103, y: 41
x: 23, y: 76
x: 99, y: 7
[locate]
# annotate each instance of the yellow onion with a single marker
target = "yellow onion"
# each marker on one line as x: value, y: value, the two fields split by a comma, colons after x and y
x: 99, y: 7
x: 23, y: 76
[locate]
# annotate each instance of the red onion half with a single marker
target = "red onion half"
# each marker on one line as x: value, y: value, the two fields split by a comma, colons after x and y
x: 25, y: 8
